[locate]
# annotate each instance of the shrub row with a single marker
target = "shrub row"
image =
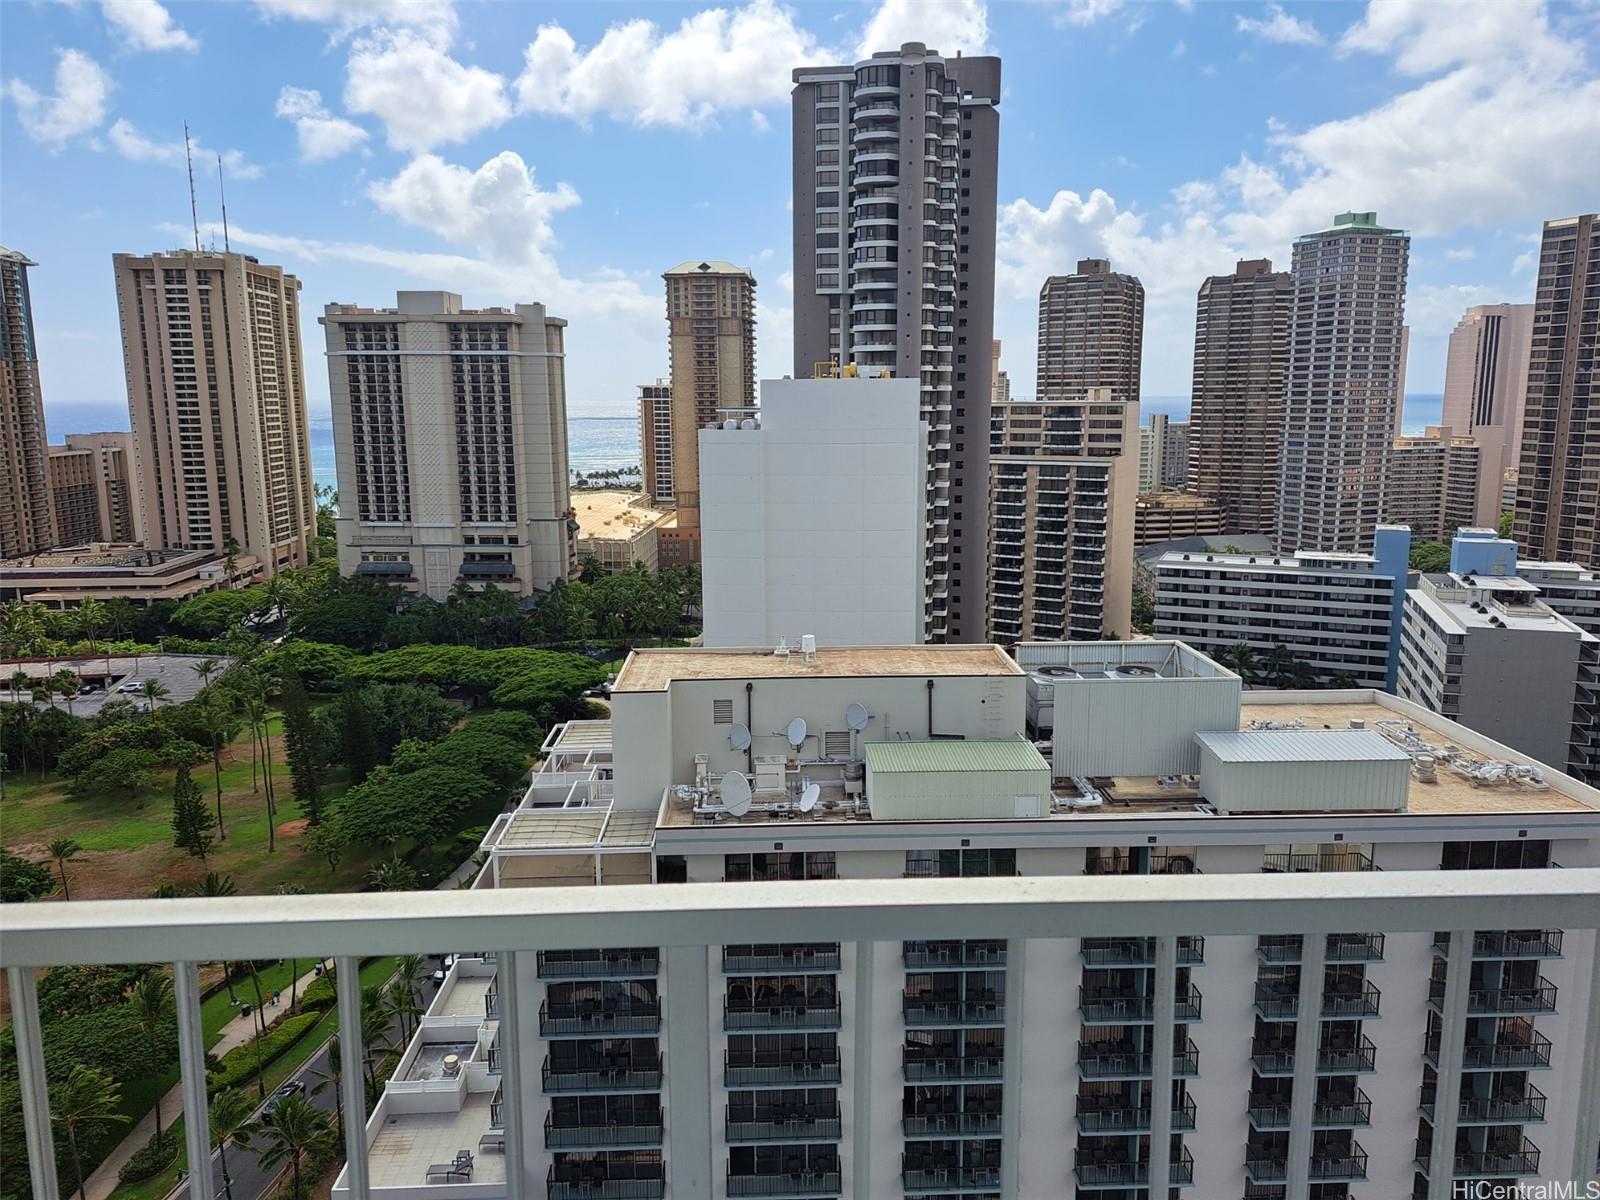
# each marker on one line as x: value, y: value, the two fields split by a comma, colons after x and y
x: 150, y: 1159
x: 239, y: 1064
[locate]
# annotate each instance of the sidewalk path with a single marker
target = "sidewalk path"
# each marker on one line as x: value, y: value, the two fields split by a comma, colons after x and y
x: 103, y: 1180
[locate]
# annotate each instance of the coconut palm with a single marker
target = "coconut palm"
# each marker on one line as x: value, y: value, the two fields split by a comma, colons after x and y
x: 65, y: 850
x: 64, y: 684
x: 258, y: 714
x: 20, y: 682
x: 377, y: 1017
x: 332, y: 1076
x: 154, y: 691
x: 1279, y: 666
x: 22, y: 628
x: 411, y: 971
x: 297, y: 1129
x: 88, y: 1099
x: 152, y: 1001
x: 292, y: 889
x: 230, y: 1112
x: 214, y: 717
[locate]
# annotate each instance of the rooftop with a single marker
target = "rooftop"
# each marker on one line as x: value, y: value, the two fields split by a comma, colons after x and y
x: 613, y: 514
x: 708, y: 266
x: 407, y: 1144
x: 1302, y: 746
x: 573, y: 830
x: 656, y: 670
x: 953, y: 756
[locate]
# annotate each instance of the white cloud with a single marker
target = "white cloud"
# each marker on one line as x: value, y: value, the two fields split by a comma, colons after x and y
x: 943, y: 25
x: 1425, y: 39
x: 77, y: 107
x: 1461, y: 254
x: 715, y: 60
x: 434, y: 19
x: 424, y: 97
x: 321, y: 134
x: 1278, y: 26
x: 133, y: 145
x: 146, y: 25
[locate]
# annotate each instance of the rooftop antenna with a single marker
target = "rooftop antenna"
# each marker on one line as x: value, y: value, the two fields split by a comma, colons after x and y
x: 194, y: 211
x: 223, y: 192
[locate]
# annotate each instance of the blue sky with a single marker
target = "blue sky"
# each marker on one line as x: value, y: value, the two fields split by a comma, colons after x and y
x: 571, y: 152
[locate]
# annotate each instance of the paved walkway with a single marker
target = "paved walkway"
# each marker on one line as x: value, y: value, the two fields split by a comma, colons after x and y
x: 103, y: 1180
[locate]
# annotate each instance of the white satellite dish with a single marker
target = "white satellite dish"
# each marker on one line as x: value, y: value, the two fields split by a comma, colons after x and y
x: 739, y: 736
x: 856, y: 716
x: 809, y: 797
x: 796, y: 733
x: 734, y: 793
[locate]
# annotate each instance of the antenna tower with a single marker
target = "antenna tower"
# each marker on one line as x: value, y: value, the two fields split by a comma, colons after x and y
x: 194, y: 211
x: 223, y: 192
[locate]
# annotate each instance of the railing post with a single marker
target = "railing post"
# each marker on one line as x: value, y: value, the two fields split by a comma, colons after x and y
x: 35, y: 1087
x: 511, y: 1106
x: 192, y: 1071
x: 352, y: 1078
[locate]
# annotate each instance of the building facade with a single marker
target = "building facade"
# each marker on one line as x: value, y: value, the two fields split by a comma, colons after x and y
x: 450, y: 433
x: 1442, y: 481
x: 619, y: 530
x: 1337, y: 614
x: 102, y: 571
x: 1345, y: 375
x: 25, y: 521
x: 1241, y: 359
x: 1163, y: 454
x: 1558, y: 501
x: 1091, y: 333
x: 813, y: 516
x: 1168, y: 516
x: 93, y: 492
x: 1480, y: 646
x: 1486, y: 375
x: 655, y: 440
x: 711, y: 338
x: 216, y: 398
x: 895, y: 162
x: 1000, y: 393
x: 1063, y: 487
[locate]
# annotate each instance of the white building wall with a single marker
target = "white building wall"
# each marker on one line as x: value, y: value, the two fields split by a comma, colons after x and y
x: 814, y: 521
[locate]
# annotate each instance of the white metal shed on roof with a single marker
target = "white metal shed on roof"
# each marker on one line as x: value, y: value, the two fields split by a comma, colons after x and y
x: 1303, y: 770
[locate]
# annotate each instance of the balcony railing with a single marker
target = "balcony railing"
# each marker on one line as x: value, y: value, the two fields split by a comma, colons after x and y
x: 1273, y: 1113
x: 602, y: 1137
x: 922, y: 955
x: 764, y: 1124
x: 1278, y: 948
x: 1527, y: 999
x: 575, y: 1184
x: 1267, y: 1168
x: 1339, y: 1166
x: 1532, y: 1055
x: 1115, y: 1006
x: 941, y: 1068
x: 790, y: 1183
x: 619, y: 964
x: 1132, y: 1120
x: 1521, y: 1108
x: 591, y: 1020
x: 1096, y: 1173
x: 1523, y: 1161
x: 1351, y: 1005
x: 637, y: 1078
x: 1273, y: 1058
x: 945, y: 1179
x: 1276, y: 1003
x: 780, y: 959
x: 1355, y: 947
x: 921, y: 1010
x: 1099, y: 1060
x: 948, y: 1125
x: 1341, y: 860
x: 811, y: 1015
x: 1508, y: 943
x: 780, y: 1070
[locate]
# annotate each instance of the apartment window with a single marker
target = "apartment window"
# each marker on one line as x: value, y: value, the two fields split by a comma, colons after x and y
x: 949, y: 864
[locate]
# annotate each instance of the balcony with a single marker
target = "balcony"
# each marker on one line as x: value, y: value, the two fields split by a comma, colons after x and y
x: 1332, y: 860
x: 1268, y: 1113
x: 589, y: 1181
x: 922, y: 1010
x: 946, y: 1068
x: 558, y: 1081
x: 1276, y: 1003
x: 1112, y: 1119
x: 611, y: 1136
x: 1327, y: 1167
x: 1108, y: 1060
x: 1265, y: 1168
x: 951, y: 1125
x: 1278, y: 948
x: 608, y: 1019
x: 922, y: 955
x: 601, y: 964
x: 1505, y: 1163
x: 1092, y: 1169
x: 1355, y: 947
x: 791, y: 1183
x: 1532, y: 1055
x: 1523, y: 1106
x: 1534, y: 999
x: 947, y: 1179
x: 1120, y: 1006
x: 780, y: 959
x: 782, y: 1123
x: 779, y: 1069
x: 1270, y: 1057
x: 1507, y: 943
x: 1340, y: 1004
x: 818, y: 1014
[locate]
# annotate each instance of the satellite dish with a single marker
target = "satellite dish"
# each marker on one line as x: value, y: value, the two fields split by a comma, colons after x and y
x: 856, y: 716
x: 734, y: 794
x: 809, y: 797
x: 739, y: 737
x: 796, y: 732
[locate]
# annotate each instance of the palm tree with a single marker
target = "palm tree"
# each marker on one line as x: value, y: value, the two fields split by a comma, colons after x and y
x: 391, y: 875
x: 230, y: 559
x: 21, y: 628
x: 214, y: 717
x: 297, y: 1128
x: 332, y: 1077
x: 152, y: 1001
x: 1279, y: 665
x: 377, y: 1016
x: 230, y: 1111
x: 292, y: 889
x: 258, y: 714
x: 65, y: 850
x: 20, y: 682
x: 92, y: 617
x: 89, y: 1098
x: 65, y: 684
x: 1241, y: 659
x: 213, y: 886
x: 410, y: 972
x: 205, y: 668
x: 154, y: 691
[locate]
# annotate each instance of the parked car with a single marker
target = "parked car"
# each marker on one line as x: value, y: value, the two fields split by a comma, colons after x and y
x: 443, y: 969
x: 294, y: 1087
x: 131, y: 685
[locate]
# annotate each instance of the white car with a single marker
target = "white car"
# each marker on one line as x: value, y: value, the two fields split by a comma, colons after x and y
x: 132, y: 685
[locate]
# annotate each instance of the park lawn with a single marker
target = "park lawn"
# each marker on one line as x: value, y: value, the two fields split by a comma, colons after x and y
x: 279, y: 1070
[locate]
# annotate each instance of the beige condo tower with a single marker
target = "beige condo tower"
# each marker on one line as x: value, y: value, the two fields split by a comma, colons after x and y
x: 24, y: 485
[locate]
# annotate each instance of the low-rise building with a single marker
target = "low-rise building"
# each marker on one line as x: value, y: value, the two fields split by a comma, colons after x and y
x: 619, y: 529
x: 1338, y: 614
x: 66, y: 577
x: 1168, y: 516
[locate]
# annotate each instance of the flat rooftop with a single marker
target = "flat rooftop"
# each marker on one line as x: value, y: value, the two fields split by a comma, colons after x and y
x: 655, y: 670
x: 407, y: 1144
x: 613, y: 514
x: 578, y: 830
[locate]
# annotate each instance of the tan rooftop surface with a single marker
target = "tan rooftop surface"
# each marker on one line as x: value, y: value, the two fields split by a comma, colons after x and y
x: 409, y: 1143
x: 1453, y: 793
x: 584, y: 735
x: 612, y: 514
x: 578, y: 829
x: 653, y: 670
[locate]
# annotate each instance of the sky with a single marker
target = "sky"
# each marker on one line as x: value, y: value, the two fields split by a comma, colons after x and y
x: 570, y: 152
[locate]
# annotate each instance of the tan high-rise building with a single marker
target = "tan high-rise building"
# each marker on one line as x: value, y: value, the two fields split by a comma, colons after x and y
x: 1241, y: 353
x: 216, y: 396
x: 1442, y: 481
x: 711, y: 329
x: 1558, y: 480
x: 24, y: 480
x: 1091, y: 333
x: 1064, y: 483
x: 450, y: 434
x: 655, y: 440
x: 1486, y: 375
x: 93, y: 493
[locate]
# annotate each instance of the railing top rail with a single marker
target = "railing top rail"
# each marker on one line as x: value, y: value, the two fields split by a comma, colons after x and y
x: 264, y: 927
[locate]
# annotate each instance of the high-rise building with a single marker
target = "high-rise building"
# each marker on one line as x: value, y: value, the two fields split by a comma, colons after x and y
x: 1441, y: 481
x: 1063, y: 486
x: 450, y: 434
x: 1241, y: 359
x: 711, y: 324
x: 1000, y: 393
x: 1163, y: 454
x: 25, y: 524
x: 1486, y: 375
x: 1343, y: 393
x: 1091, y: 333
x: 216, y: 396
x: 655, y: 439
x: 1558, y: 479
x: 92, y: 489
x: 812, y: 516
x: 895, y: 163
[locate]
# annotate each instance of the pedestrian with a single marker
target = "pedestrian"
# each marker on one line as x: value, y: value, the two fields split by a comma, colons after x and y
x: 276, y: 995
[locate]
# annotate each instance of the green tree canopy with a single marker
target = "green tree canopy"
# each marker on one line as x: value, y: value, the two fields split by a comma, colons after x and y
x: 424, y: 805
x: 124, y: 772
x: 215, y: 613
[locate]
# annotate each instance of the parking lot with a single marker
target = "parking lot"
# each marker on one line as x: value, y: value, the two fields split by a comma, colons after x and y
x: 175, y: 672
